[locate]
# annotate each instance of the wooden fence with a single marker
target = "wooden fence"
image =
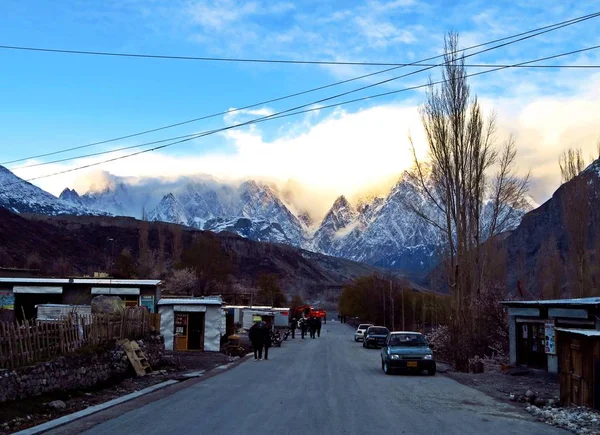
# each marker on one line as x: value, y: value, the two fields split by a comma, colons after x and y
x: 30, y: 341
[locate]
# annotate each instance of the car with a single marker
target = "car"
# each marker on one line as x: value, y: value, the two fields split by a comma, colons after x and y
x: 360, y: 331
x: 407, y: 350
x: 375, y: 336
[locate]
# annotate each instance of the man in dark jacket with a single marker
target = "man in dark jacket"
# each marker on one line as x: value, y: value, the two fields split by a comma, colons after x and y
x: 267, y: 338
x: 293, y: 327
x: 312, y: 325
x: 303, y: 327
x: 256, y: 334
x: 318, y: 326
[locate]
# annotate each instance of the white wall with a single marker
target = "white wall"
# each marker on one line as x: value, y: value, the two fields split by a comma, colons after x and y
x: 167, y: 324
x: 212, y: 328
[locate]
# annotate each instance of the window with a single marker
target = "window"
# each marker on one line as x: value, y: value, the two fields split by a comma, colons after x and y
x: 130, y: 301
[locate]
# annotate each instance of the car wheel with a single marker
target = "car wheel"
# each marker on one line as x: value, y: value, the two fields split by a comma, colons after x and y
x: 355, y: 340
x: 386, y: 369
x: 431, y: 372
x: 382, y: 366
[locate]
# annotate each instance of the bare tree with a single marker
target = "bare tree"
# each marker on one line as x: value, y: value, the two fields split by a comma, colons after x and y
x: 461, y: 192
x: 571, y: 164
x: 182, y: 282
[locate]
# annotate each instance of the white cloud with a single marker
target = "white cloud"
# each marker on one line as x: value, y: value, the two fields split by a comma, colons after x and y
x: 242, y: 115
x: 346, y: 153
x: 220, y: 13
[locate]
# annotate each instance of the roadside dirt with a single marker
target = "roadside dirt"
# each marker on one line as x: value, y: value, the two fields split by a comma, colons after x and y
x: 502, y: 385
x: 18, y: 415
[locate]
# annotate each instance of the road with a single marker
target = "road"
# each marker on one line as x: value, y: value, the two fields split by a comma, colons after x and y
x: 329, y: 385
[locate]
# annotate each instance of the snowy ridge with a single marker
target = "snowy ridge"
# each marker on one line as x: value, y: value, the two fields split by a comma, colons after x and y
x: 382, y: 231
x: 19, y: 196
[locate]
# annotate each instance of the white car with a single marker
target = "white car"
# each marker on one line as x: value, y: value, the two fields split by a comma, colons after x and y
x: 360, y: 331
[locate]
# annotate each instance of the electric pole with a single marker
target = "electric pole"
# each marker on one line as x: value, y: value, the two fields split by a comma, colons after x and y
x: 393, y: 307
x: 403, y: 323
x: 384, y: 316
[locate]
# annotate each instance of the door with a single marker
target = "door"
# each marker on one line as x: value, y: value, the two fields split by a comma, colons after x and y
x: 196, y: 331
x: 576, y: 373
x: 180, y: 332
x: 531, y: 345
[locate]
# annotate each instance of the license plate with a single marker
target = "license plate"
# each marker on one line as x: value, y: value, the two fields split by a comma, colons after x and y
x: 411, y: 364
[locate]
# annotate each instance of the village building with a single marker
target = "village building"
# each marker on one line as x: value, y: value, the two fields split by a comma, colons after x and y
x: 536, y: 329
x: 19, y: 296
x: 192, y: 323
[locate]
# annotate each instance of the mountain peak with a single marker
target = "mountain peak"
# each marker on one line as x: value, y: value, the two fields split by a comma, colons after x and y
x: 341, y: 202
x: 20, y: 196
x: 169, y: 210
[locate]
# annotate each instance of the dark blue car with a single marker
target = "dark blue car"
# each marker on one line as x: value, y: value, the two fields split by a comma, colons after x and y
x: 407, y: 351
x: 375, y: 336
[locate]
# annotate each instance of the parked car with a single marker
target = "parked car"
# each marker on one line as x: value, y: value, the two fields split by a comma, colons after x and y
x: 375, y: 336
x: 407, y: 351
x: 360, y: 331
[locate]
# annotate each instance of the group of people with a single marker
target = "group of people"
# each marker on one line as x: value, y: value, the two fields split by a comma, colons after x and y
x: 261, y: 336
x: 312, y: 325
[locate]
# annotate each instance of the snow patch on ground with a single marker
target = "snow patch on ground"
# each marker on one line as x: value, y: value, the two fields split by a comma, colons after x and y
x: 579, y: 420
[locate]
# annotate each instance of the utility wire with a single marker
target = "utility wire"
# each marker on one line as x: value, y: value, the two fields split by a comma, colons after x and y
x: 293, y: 112
x: 416, y: 63
x: 321, y: 100
x: 281, y: 61
x: 204, y: 58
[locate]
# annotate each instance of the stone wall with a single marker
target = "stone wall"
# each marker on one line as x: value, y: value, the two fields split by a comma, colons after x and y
x: 154, y: 349
x: 85, y: 368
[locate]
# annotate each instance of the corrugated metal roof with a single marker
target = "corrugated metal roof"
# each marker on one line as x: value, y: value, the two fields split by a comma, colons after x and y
x: 189, y: 301
x: 96, y: 281
x: 586, y: 332
x: 576, y: 301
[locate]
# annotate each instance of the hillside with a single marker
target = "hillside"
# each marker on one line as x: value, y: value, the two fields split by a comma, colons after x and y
x: 82, y: 243
x: 554, y: 241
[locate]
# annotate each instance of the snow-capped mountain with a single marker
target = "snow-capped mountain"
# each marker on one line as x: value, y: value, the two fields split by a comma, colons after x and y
x: 114, y: 200
x: 169, y: 210
x: 341, y: 223
x: 386, y: 232
x: 382, y: 231
x: 19, y: 196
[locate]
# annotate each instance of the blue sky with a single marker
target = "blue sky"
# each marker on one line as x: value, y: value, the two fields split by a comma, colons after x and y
x: 53, y: 101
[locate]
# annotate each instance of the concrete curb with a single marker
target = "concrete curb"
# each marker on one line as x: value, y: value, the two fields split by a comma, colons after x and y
x: 183, y: 382
x: 92, y: 410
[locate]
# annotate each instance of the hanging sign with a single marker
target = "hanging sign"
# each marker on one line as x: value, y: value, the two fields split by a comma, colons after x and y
x: 181, y: 320
x: 7, y: 300
x: 550, y: 335
x: 148, y: 302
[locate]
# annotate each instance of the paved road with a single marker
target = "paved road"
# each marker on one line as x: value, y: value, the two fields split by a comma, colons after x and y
x: 329, y: 385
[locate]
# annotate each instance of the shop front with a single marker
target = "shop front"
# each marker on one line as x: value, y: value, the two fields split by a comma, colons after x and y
x: 192, y: 323
x: 533, y: 324
x: 531, y: 345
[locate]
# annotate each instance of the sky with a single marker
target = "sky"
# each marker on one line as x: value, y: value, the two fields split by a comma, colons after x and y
x: 51, y: 101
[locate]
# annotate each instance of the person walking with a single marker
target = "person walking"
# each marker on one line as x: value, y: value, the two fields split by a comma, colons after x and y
x: 312, y: 327
x: 318, y: 326
x: 293, y: 327
x: 303, y: 327
x: 255, y: 334
x: 267, y: 331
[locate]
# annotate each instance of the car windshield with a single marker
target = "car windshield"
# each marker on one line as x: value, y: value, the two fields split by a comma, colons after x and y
x: 378, y: 331
x: 363, y: 326
x: 407, y: 340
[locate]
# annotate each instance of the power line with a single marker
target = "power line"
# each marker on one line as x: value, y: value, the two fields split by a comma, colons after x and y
x: 293, y: 112
x: 210, y: 58
x: 541, y: 30
x: 277, y: 61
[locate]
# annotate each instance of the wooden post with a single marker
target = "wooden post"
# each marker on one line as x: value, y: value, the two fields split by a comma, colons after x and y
x: 61, y: 337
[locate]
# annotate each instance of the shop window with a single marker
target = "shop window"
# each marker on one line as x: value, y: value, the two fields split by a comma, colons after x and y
x: 130, y: 301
